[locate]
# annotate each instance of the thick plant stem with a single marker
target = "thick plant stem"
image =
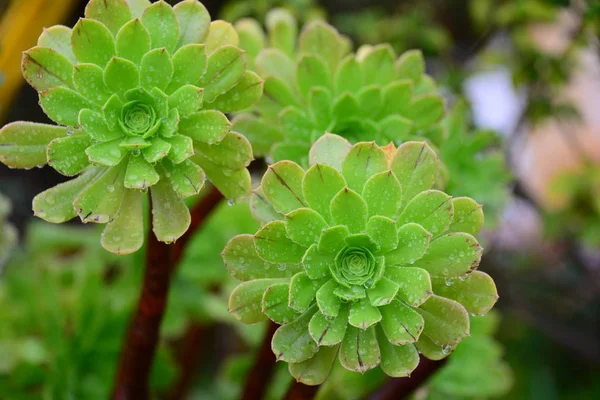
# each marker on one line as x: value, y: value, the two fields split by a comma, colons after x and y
x: 300, y: 391
x: 401, y: 388
x: 141, y: 341
x: 262, y: 370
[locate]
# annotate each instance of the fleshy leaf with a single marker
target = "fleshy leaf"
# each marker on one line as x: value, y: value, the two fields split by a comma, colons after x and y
x: 349, y: 209
x: 413, y: 241
x: 331, y: 150
x: 226, y: 67
x: 162, y: 24
x: 446, y: 321
x: 315, y: 370
x: 329, y: 304
x: 121, y: 75
x: 232, y: 152
x: 106, y: 153
x: 383, y: 194
x: 292, y: 342
x: 302, y: 291
x: 273, y: 62
x: 397, y: 361
x: 125, y: 233
x: 182, y: 147
x: 89, y: 82
x: 311, y: 73
x: 361, y: 163
x: 477, y: 292
x: 322, y: 39
x: 221, y: 33
x: 112, y: 13
x: 44, y: 68
x: 92, y: 122
x: 416, y: 166
x: 58, y: 37
x: 425, y: 110
x: 414, y: 283
x: 92, y: 42
x: 360, y: 351
x: 304, y: 226
x: 349, y: 76
x: 67, y: 154
x: 316, y: 264
x: 320, y: 185
x: 233, y: 184
x: 283, y: 30
x: 452, y: 255
x: 383, y: 230
x: 170, y: 216
x: 329, y: 331
x: 187, y: 178
x: 379, y: 65
x: 23, y: 144
x: 62, y: 105
x: 101, y: 199
x: 275, y: 304
x: 431, y: 350
x: 363, y: 314
x: 333, y: 239
x: 401, y: 323
x: 189, y: 63
x: 156, y: 69
x: 137, y: 7
x: 410, y: 65
x: 244, y: 94
x: 194, y: 22
x: 431, y: 209
x: 245, y: 302
x: 208, y: 126
x: 261, y: 208
x: 157, y: 150
x: 282, y: 184
x: 468, y: 216
x: 383, y: 292
x: 133, y: 41
x: 273, y: 244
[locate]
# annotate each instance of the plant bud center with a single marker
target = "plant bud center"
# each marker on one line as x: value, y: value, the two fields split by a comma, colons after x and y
x: 138, y: 118
x: 354, y: 266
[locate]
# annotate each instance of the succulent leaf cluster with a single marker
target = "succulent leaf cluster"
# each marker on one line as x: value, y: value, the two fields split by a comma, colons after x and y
x: 8, y: 233
x: 360, y: 259
x: 314, y: 84
x: 139, y: 92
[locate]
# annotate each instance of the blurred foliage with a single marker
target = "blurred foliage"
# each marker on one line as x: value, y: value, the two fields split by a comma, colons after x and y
x: 303, y: 10
x: 8, y: 234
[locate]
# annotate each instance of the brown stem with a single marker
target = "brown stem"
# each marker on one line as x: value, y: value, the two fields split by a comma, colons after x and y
x: 400, y: 388
x: 300, y: 391
x: 140, y: 345
x: 260, y: 375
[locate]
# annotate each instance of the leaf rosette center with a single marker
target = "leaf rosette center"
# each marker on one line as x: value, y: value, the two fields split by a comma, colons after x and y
x: 355, y: 266
x: 139, y: 119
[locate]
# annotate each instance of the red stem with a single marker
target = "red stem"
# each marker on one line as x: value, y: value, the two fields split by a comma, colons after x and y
x: 299, y: 391
x: 260, y: 375
x: 401, y: 388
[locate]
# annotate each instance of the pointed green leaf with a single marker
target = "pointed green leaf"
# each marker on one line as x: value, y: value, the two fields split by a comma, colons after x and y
x: 67, y: 154
x: 329, y: 304
x: 187, y: 100
x: 243, y: 95
x: 89, y: 82
x: 452, y: 255
x: 170, y: 216
x: 194, y: 22
x: 56, y: 204
x: 233, y: 152
x: 319, y: 105
x: 275, y: 304
x: 446, y: 321
x: 106, y: 153
x: 415, y: 284
x: 410, y: 65
x: 353, y: 293
x: 121, y: 75
x: 207, y: 126
x: 302, y: 291
x: 101, y: 199
x: 273, y: 62
x: 140, y: 174
x: 384, y: 231
x: 363, y: 314
x: 156, y: 69
x: 321, y: 183
x: 226, y: 67
x: 280, y: 93
x: 361, y: 163
x: 333, y: 239
x: 315, y: 370
x: 157, y: 150
x: 349, y: 209
x: 413, y: 242
x: 221, y: 33
x: 125, y: 233
x: 273, y: 244
x: 262, y: 210
x: 93, y: 124
x: 63, y: 105
x: 162, y: 24
x: 360, y: 351
x: 312, y: 73
x: 182, y: 147
x: 383, y: 292
x: 316, y: 264
x: 378, y: 65
x: 92, y: 42
x: 137, y: 7
x: 468, y: 216
x: 329, y: 331
x: 292, y: 342
x: 296, y: 124
x: 397, y: 98
x: 370, y: 99
x: 395, y: 128
x: 383, y: 194
x: 189, y: 63
x: 416, y: 166
x: 345, y: 107
x: 187, y: 178
x: 133, y: 41
x: 319, y: 38
x: 283, y: 30
x: 245, y: 302
x: 282, y: 185
x: 477, y: 292
x: 397, y: 361
x: 235, y: 185
x: 349, y: 76
x: 401, y: 323
x: 44, y: 68
x: 23, y: 144
x: 58, y: 37
x: 425, y: 110
x: 304, y: 226
x: 431, y: 209
x: 431, y: 350
x: 112, y: 13
x: 331, y: 150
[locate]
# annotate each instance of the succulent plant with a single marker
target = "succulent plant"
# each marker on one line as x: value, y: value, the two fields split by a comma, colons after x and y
x: 358, y: 256
x: 313, y: 84
x: 8, y: 233
x: 139, y: 91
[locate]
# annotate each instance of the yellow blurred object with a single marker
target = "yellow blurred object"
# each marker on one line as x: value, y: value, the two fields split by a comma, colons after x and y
x: 20, y: 26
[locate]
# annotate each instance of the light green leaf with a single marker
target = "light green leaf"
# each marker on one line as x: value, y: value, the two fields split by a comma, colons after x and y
x: 106, y: 153
x: 316, y: 264
x: 137, y: 7
x: 221, y: 33
x: 101, y: 199
x: 320, y: 185
x: 431, y: 209
x: 410, y: 65
x: 452, y: 255
x: 232, y: 152
x: 329, y: 331
x: 413, y: 241
x: 170, y: 216
x: 431, y: 350
x: 156, y: 69
x: 62, y: 105
x: 360, y: 351
x: 157, y: 150
x: 319, y: 38
x: 262, y: 210
x: 112, y: 13
x: 296, y: 124
x: 416, y: 166
x: 187, y: 100
x: 353, y: 293
x: 140, y: 174
x: 397, y: 98
x: 58, y: 37
x: 315, y: 370
x: 133, y: 41
x: 378, y: 65
x: 273, y: 62
x: 261, y: 134
x: 384, y: 232
x: 383, y: 194
x: 125, y: 233
x: 346, y: 107
x: 44, y: 68
x: 182, y: 147
x: 304, y: 226
x: 468, y: 216
x: 396, y: 128
x: 370, y: 99
x: 189, y: 63
x: 349, y: 76
x: 361, y: 163
x: 446, y: 321
x: 93, y: 124
x: 414, y: 283
x: 363, y: 314
x: 187, y: 178
x: 311, y: 73
x: 273, y: 244
x: 477, y: 292
x: 226, y: 67
x: 280, y: 93
x: 88, y: 80
x: 23, y: 144
x: 162, y: 24
x: 209, y: 126
x: 275, y: 304
x: 328, y: 302
x: 243, y: 95
x: 319, y: 105
x: 92, y: 42
x: 331, y: 150
x: 283, y: 30
x: 282, y: 185
x: 401, y: 323
x: 425, y: 110
x: 292, y: 342
x: 397, y: 361
x: 349, y: 209
x: 121, y: 75
x: 67, y: 154
x: 245, y: 302
x: 383, y: 292
x: 252, y: 38
x: 302, y: 291
x: 235, y: 185
x: 194, y: 22
x: 333, y: 239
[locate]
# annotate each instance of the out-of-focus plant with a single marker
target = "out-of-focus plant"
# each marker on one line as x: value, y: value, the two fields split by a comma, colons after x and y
x: 138, y: 91
x: 313, y: 85
x: 8, y: 233
x: 64, y: 306
x: 303, y: 10
x: 360, y: 260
